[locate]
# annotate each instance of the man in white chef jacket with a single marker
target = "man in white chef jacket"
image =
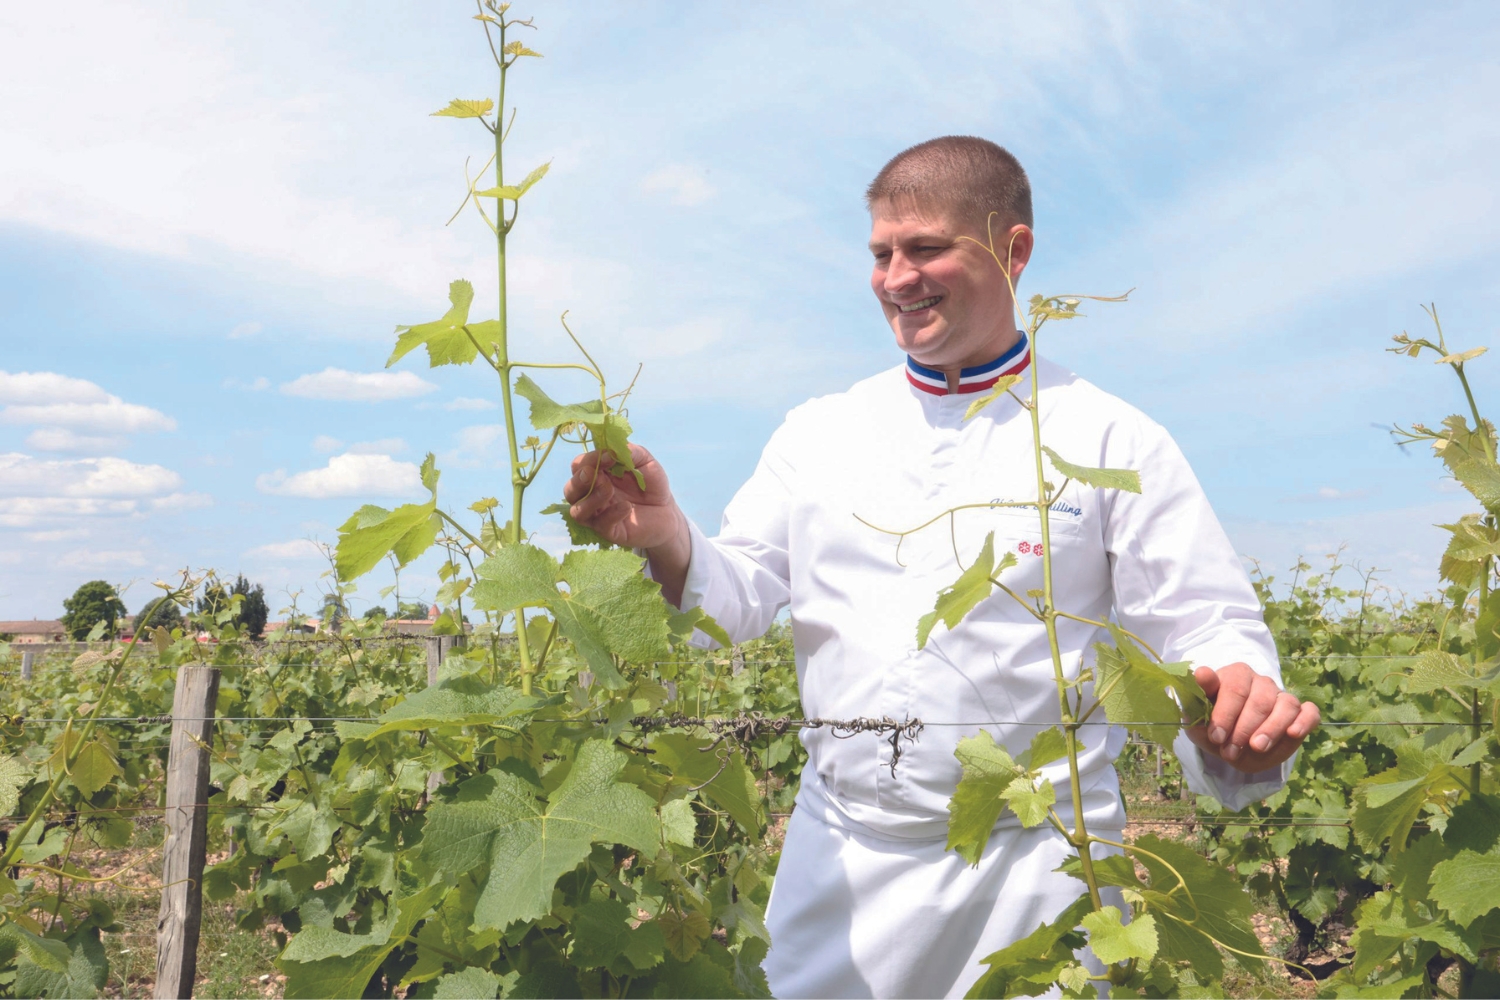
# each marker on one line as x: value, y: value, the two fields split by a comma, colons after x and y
x: 867, y: 903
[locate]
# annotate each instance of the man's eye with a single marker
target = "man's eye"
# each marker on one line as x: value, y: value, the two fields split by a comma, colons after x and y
x: 882, y: 255
x: 930, y: 249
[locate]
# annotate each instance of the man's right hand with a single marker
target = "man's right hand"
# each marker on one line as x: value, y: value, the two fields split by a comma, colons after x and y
x: 621, y: 512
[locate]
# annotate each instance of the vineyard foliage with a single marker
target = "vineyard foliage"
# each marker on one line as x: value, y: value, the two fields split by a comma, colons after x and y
x: 547, y: 820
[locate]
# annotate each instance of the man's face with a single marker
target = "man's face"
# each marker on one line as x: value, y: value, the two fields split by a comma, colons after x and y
x: 945, y: 297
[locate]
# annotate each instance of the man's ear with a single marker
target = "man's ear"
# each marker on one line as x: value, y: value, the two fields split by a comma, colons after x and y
x: 1020, y: 240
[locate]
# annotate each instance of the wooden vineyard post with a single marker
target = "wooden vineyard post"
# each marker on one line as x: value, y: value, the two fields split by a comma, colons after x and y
x: 187, y: 831
x: 26, y: 660
x: 438, y: 648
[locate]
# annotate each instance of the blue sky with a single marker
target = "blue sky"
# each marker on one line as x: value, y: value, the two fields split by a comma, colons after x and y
x: 211, y: 218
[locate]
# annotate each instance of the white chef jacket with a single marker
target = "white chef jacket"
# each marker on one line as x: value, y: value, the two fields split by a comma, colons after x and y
x: 866, y: 901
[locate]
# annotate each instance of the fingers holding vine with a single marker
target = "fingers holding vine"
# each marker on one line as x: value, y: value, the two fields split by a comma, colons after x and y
x: 1255, y: 725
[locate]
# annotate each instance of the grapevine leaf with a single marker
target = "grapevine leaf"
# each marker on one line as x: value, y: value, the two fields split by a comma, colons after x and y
x: 1037, y: 959
x: 1467, y: 886
x: 611, y: 610
x: 94, y: 767
x: 84, y: 975
x: 529, y: 843
x: 465, y: 109
x: 1472, y: 541
x: 467, y: 984
x: 684, y: 932
x: 610, y: 430
x: 371, y: 532
x: 978, y: 800
x: 679, y: 824
x: 517, y: 576
x: 1000, y: 388
x: 721, y: 771
x: 601, y: 932
x: 1144, y: 695
x: 15, y: 774
x: 972, y: 586
x: 1046, y: 746
x: 513, y: 192
x: 684, y: 623
x: 1213, y: 903
x: 1386, y: 921
x: 1030, y: 803
x: 1106, y: 479
x: 578, y: 533
x: 458, y: 701
x: 1475, y: 823
x: 321, y: 962
x: 1411, y: 871
x: 447, y: 342
x: 1387, y: 804
x: 1435, y: 670
x: 1481, y: 477
x: 1458, y: 359
x: 1113, y: 941
x: 517, y: 49
x: 309, y: 828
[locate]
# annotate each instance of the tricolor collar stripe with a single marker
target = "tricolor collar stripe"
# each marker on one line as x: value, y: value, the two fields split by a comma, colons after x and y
x: 975, y: 379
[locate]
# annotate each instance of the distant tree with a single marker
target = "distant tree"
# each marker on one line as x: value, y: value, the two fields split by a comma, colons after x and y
x: 213, y: 599
x: 162, y: 611
x: 376, y: 610
x: 333, y: 610
x: 94, y: 602
x: 253, y: 611
x: 410, y: 610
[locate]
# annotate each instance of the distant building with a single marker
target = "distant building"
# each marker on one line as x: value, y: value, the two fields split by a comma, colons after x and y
x: 34, y: 631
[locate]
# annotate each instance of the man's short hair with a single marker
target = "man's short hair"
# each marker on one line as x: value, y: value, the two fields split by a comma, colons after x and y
x: 961, y: 174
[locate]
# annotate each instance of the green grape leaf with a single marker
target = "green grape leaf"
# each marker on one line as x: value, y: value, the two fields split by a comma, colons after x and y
x: 465, y: 109
x: 1467, y: 886
x: 578, y: 533
x: 84, y: 975
x: 447, y: 341
x: 517, y: 576
x: 1000, y: 388
x: 1046, y: 746
x: 94, y: 767
x: 517, y: 49
x: 601, y: 932
x: 1213, y: 904
x: 1143, y: 695
x: 1030, y: 803
x: 1037, y: 959
x: 529, y: 843
x: 1475, y: 823
x: 682, y: 625
x: 1460, y: 358
x: 321, y: 962
x: 978, y: 800
x: 1113, y: 941
x: 430, y: 474
x: 610, y: 609
x: 371, y: 532
x: 679, y: 824
x: 972, y: 586
x: 1105, y: 479
x: 513, y: 192
x: 15, y: 774
x: 1386, y: 805
x: 610, y: 430
x: 1435, y: 670
x: 467, y: 984
x: 684, y: 933
x: 466, y: 700
x: 721, y: 771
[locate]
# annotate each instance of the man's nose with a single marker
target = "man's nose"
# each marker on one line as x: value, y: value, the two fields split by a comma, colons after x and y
x: 900, y: 274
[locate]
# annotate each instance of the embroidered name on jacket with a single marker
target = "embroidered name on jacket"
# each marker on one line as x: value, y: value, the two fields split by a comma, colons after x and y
x: 976, y: 379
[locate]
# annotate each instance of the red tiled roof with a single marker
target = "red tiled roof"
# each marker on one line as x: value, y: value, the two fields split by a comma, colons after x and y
x: 31, y: 627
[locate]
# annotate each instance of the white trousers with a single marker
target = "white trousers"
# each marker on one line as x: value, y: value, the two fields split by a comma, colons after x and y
x: 852, y: 915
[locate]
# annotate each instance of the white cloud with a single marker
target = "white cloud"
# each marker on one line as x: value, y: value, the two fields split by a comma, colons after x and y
x: 175, y: 503
x: 297, y: 548
x: 1325, y: 493
x: 101, y: 558
x: 684, y: 184
x: 470, y: 403
x: 94, y: 478
x: 23, y: 512
x: 323, y: 444
x: 244, y: 330
x: 64, y: 440
x: 364, y: 387
x: 56, y: 535
x: 62, y: 402
x: 347, y: 476
x: 384, y: 446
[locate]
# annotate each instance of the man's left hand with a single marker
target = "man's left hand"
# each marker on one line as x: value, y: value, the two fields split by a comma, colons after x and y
x: 1254, y: 725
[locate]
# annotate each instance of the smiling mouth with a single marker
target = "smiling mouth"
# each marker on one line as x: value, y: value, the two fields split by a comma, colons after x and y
x: 927, y: 303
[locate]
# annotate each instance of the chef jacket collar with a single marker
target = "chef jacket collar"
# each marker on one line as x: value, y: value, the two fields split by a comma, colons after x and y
x: 976, y: 379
